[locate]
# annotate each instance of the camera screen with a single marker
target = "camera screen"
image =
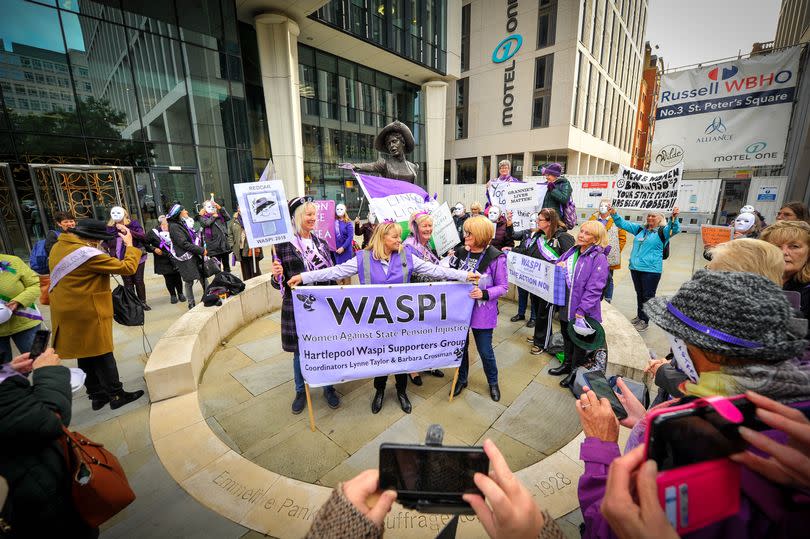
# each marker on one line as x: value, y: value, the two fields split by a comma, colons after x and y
x: 431, y: 470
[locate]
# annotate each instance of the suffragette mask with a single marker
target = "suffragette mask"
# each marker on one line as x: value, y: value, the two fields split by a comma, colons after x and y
x: 117, y: 213
x: 340, y: 210
x: 744, y: 222
x: 494, y: 213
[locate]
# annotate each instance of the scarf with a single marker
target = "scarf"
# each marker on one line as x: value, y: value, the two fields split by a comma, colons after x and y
x: 6, y: 266
x: 208, y: 230
x: 788, y: 381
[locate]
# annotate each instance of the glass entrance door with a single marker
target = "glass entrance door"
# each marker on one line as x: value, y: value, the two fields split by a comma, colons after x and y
x: 733, y: 194
x: 178, y: 186
x: 13, y: 238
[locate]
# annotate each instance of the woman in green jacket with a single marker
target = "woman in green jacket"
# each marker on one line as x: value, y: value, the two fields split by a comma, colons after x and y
x: 19, y: 317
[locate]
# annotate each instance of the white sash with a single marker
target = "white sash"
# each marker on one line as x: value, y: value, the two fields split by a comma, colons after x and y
x: 71, y: 262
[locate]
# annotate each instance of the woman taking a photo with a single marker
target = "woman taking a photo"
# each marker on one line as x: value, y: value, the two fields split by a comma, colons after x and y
x: 306, y: 252
x: 478, y: 256
x: 550, y: 242
x: 586, y: 274
x: 384, y: 262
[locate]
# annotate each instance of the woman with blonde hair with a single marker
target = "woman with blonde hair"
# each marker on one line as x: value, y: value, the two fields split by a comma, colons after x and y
x: 749, y: 256
x: 475, y: 209
x: 120, y: 216
x: 479, y: 256
x: 384, y: 262
x: 586, y: 275
x: 793, y: 238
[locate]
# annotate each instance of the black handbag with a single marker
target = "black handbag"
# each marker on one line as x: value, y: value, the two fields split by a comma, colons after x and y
x: 230, y: 282
x: 211, y: 266
x: 127, y: 308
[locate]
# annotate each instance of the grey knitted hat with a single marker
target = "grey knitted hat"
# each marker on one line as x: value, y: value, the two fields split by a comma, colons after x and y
x: 735, y: 314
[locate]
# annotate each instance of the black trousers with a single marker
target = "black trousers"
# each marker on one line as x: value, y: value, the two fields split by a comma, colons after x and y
x: 542, y: 324
x: 136, y: 281
x: 174, y: 284
x: 102, y: 380
x: 573, y: 353
x: 223, y: 258
x: 401, y: 382
x: 247, y: 268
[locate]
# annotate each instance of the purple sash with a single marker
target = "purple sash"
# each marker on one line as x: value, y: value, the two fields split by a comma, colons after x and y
x: 71, y: 262
x: 309, y: 257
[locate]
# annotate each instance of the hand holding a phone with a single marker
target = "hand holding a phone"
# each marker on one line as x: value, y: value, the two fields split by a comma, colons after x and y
x: 597, y: 417
x: 640, y: 515
x: 789, y: 464
x: 48, y: 358
x: 513, y: 512
x: 362, y: 489
x: 22, y: 363
x: 635, y: 409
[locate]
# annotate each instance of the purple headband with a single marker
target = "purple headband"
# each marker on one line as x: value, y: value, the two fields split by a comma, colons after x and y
x: 716, y: 333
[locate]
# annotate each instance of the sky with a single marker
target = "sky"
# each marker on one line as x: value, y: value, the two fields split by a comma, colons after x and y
x: 20, y: 28
x: 695, y: 31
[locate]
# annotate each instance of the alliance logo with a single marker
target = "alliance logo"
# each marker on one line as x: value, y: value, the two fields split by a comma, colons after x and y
x: 507, y: 48
x: 728, y: 72
x: 716, y: 126
x: 756, y: 147
x: 670, y: 155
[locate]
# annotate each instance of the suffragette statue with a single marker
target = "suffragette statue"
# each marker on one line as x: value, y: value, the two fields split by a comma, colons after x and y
x: 395, y: 140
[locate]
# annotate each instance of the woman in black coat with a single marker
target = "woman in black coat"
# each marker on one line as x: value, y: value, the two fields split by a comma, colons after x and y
x: 31, y: 455
x: 188, y: 250
x: 159, y: 243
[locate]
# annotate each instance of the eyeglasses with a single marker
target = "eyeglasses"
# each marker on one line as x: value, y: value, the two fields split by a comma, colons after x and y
x: 467, y: 234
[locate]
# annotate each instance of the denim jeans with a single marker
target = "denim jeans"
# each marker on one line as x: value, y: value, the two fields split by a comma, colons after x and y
x: 523, y: 300
x: 609, y: 287
x: 23, y: 339
x: 646, y: 285
x: 299, y: 378
x: 483, y: 341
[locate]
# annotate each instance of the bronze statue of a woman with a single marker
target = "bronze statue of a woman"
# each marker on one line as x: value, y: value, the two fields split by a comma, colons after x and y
x: 395, y: 140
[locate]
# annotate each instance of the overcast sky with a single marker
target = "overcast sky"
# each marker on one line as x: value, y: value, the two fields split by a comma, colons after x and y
x: 695, y: 31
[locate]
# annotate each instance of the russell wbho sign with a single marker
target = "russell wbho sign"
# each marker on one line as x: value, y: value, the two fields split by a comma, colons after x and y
x: 504, y: 51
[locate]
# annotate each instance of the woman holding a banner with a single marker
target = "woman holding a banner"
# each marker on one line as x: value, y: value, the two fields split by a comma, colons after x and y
x: 548, y: 244
x: 647, y: 257
x: 586, y: 275
x: 385, y: 262
x: 479, y: 256
x: 344, y: 236
x: 306, y: 252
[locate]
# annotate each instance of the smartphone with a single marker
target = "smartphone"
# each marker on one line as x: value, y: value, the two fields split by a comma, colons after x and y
x: 432, y: 479
x: 597, y: 382
x: 41, y: 339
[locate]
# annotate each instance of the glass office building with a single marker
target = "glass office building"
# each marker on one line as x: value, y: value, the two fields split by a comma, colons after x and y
x: 110, y: 102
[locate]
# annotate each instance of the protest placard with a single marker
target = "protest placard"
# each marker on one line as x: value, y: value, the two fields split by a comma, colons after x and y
x: 445, y: 234
x: 392, y: 200
x: 325, y: 222
x: 522, y: 199
x: 354, y: 332
x: 639, y: 190
x: 265, y: 214
x: 713, y: 235
x: 537, y: 277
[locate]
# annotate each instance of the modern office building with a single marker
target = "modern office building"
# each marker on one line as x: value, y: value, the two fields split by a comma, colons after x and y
x: 645, y: 116
x: 142, y: 103
x: 541, y: 81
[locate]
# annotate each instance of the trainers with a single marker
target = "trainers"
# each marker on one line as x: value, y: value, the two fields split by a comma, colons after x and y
x: 332, y: 398
x: 299, y: 403
x: 635, y: 320
x: 124, y: 397
x: 641, y: 325
x: 517, y: 318
x: 530, y: 340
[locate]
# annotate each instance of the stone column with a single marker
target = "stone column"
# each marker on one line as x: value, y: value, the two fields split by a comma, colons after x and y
x: 277, y: 37
x: 435, y: 99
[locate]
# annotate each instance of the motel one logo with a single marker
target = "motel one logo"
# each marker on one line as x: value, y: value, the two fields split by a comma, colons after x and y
x: 504, y: 51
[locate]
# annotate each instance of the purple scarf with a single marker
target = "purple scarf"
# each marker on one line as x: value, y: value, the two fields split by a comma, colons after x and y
x: 209, y: 234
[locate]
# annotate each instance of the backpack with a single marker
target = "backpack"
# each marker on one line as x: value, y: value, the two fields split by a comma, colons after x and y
x: 665, y: 241
x: 127, y: 308
x: 39, y: 258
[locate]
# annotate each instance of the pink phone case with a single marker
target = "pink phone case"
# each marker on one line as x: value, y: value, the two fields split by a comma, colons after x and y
x: 700, y: 494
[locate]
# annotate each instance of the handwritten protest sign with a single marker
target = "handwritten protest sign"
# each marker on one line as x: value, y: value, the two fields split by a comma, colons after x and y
x: 355, y: 332
x: 537, y: 277
x: 522, y: 199
x: 392, y: 200
x: 445, y: 234
x: 639, y: 190
x: 264, y: 212
x: 325, y: 222
x: 714, y: 235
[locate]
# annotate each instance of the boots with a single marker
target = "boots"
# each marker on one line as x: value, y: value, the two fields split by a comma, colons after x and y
x: 564, y: 368
x: 572, y: 372
x: 124, y: 397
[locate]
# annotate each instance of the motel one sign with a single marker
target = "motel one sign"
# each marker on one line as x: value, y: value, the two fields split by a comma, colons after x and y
x: 504, y: 51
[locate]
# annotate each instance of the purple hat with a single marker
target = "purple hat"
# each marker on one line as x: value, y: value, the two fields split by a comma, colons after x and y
x: 555, y: 169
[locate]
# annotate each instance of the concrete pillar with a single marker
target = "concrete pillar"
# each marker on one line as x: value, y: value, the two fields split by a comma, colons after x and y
x: 453, y: 172
x: 277, y: 37
x: 493, y: 167
x: 435, y: 95
x: 479, y: 170
x: 527, y: 165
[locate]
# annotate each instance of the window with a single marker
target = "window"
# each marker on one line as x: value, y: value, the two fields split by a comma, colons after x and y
x: 465, y: 37
x: 36, y: 64
x: 29, y: 76
x: 546, y: 23
x: 465, y: 170
x: 47, y: 66
x: 40, y: 78
x: 462, y: 107
x: 543, y: 71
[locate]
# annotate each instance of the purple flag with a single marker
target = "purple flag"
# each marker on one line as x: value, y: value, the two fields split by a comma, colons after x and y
x: 392, y: 200
x: 325, y: 222
x: 354, y: 332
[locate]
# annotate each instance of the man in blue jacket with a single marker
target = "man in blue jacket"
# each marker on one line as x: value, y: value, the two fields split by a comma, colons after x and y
x: 647, y: 258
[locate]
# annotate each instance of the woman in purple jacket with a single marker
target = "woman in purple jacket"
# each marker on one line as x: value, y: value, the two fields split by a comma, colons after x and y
x: 344, y: 235
x: 586, y: 275
x: 478, y: 255
x: 119, y: 215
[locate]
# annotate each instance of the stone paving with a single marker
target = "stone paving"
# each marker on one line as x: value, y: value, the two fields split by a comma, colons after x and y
x: 251, y: 369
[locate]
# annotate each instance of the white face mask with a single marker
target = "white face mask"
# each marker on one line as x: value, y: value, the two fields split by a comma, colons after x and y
x: 117, y: 214
x: 372, y: 218
x: 747, y: 209
x: 682, y: 359
x: 458, y: 210
x: 209, y: 208
x: 189, y: 222
x: 340, y: 210
x: 603, y: 208
x: 494, y: 213
x: 744, y: 222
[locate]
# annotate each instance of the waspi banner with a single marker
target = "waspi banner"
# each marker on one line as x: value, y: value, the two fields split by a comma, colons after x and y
x: 354, y: 332
x: 537, y: 277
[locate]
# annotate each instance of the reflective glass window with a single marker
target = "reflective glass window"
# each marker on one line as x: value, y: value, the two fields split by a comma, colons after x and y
x: 200, y: 22
x: 213, y: 125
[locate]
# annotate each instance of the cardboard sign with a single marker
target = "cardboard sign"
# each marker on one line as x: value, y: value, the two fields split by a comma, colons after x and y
x: 264, y: 212
x: 522, y: 199
x: 445, y: 234
x: 714, y: 235
x: 639, y: 190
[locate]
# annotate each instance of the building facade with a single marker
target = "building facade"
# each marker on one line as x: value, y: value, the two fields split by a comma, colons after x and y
x: 545, y: 81
x: 645, y: 118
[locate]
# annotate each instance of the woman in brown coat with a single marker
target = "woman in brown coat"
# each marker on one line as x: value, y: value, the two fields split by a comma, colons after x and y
x: 81, y: 306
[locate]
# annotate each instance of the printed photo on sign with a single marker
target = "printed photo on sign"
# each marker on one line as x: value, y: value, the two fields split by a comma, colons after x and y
x: 265, y: 213
x: 639, y: 190
x: 264, y: 207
